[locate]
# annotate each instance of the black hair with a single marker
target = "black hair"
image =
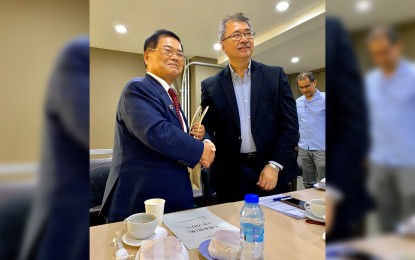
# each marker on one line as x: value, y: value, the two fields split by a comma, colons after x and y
x: 152, y: 41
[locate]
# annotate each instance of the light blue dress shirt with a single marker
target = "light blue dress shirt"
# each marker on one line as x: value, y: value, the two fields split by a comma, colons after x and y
x: 312, y: 121
x: 242, y: 89
x: 391, y: 105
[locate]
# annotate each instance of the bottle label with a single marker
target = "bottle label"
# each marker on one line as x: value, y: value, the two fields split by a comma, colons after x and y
x: 252, y: 233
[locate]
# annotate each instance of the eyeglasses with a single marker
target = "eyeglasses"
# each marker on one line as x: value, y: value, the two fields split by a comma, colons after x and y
x: 238, y: 36
x: 170, y: 52
x: 305, y: 86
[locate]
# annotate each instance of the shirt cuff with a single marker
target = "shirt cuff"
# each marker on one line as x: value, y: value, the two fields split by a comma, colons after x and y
x: 277, y: 164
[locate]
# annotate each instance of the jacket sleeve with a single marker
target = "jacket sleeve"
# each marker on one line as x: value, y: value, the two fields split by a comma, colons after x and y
x: 347, y: 121
x: 208, y: 120
x: 145, y: 117
x: 287, y: 123
x: 68, y: 93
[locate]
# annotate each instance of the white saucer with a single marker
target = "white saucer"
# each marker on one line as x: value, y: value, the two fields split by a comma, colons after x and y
x: 310, y: 215
x: 128, y: 239
x: 317, y: 186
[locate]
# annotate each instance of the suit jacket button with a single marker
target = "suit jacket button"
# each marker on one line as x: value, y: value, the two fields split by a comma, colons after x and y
x: 239, y: 138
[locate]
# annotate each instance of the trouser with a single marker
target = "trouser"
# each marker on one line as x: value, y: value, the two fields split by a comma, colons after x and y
x: 393, y: 191
x: 246, y: 178
x: 313, y: 165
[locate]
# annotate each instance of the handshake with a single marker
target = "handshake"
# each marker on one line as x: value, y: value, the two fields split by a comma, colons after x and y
x: 208, y: 153
x: 198, y: 131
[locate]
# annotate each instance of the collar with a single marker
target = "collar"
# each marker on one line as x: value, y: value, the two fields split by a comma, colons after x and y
x: 235, y: 75
x: 402, y: 69
x: 162, y: 82
x: 316, y: 96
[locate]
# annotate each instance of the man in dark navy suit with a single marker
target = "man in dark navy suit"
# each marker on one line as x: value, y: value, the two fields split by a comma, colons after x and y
x: 152, y: 147
x: 252, y: 120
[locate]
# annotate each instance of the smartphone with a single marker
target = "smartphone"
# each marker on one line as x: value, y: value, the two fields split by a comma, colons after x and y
x: 294, y: 202
x: 341, y: 251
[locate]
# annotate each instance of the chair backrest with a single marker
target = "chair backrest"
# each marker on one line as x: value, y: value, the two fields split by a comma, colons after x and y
x: 94, y: 163
x: 97, y: 180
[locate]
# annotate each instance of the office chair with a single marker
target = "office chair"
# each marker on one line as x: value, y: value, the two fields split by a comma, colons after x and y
x: 97, y: 181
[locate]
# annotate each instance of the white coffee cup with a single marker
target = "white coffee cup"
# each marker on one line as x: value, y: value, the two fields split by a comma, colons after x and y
x: 317, y: 207
x: 155, y: 206
x: 141, y: 225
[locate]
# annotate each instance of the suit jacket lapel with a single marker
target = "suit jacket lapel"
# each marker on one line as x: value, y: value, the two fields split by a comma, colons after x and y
x: 165, y: 97
x: 256, y: 85
x: 227, y: 86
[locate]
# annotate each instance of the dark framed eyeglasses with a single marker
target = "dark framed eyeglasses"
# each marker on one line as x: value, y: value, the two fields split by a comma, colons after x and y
x: 237, y: 36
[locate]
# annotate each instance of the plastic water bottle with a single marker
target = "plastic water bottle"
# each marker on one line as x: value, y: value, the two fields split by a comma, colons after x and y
x: 252, y: 229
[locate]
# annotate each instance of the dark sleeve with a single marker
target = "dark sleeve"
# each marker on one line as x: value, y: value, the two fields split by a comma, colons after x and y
x: 208, y: 120
x: 145, y: 117
x: 347, y: 136
x: 68, y: 93
x: 287, y: 123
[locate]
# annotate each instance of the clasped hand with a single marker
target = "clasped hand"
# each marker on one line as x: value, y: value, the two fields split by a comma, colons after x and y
x: 208, y: 155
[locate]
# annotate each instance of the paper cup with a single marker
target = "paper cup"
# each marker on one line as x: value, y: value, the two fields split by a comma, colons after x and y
x: 156, y: 207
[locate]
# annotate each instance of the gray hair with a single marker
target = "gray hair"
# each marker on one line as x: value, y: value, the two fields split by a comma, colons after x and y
x: 383, y: 31
x: 239, y: 17
x: 304, y: 75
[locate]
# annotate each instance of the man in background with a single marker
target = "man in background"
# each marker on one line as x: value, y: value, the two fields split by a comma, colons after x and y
x: 252, y: 119
x: 152, y: 147
x: 390, y: 96
x: 311, y: 109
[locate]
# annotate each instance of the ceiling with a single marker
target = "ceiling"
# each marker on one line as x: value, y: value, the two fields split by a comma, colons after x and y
x: 381, y: 12
x: 299, y: 31
x: 306, y: 42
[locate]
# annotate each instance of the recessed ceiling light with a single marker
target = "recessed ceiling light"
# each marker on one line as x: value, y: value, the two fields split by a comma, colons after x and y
x: 121, y: 29
x: 363, y: 6
x: 295, y: 59
x: 217, y: 46
x: 282, y: 6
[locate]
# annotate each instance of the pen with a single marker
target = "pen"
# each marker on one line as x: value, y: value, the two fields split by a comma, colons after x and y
x: 282, y: 198
x: 315, y: 222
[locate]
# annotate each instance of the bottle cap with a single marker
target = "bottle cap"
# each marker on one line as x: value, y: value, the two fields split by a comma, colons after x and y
x: 251, y: 198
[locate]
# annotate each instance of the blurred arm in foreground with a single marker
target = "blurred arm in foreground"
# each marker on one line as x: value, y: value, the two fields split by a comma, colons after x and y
x: 347, y: 138
x: 58, y: 224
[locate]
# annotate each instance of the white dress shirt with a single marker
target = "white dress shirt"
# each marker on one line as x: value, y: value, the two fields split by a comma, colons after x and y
x: 166, y: 88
